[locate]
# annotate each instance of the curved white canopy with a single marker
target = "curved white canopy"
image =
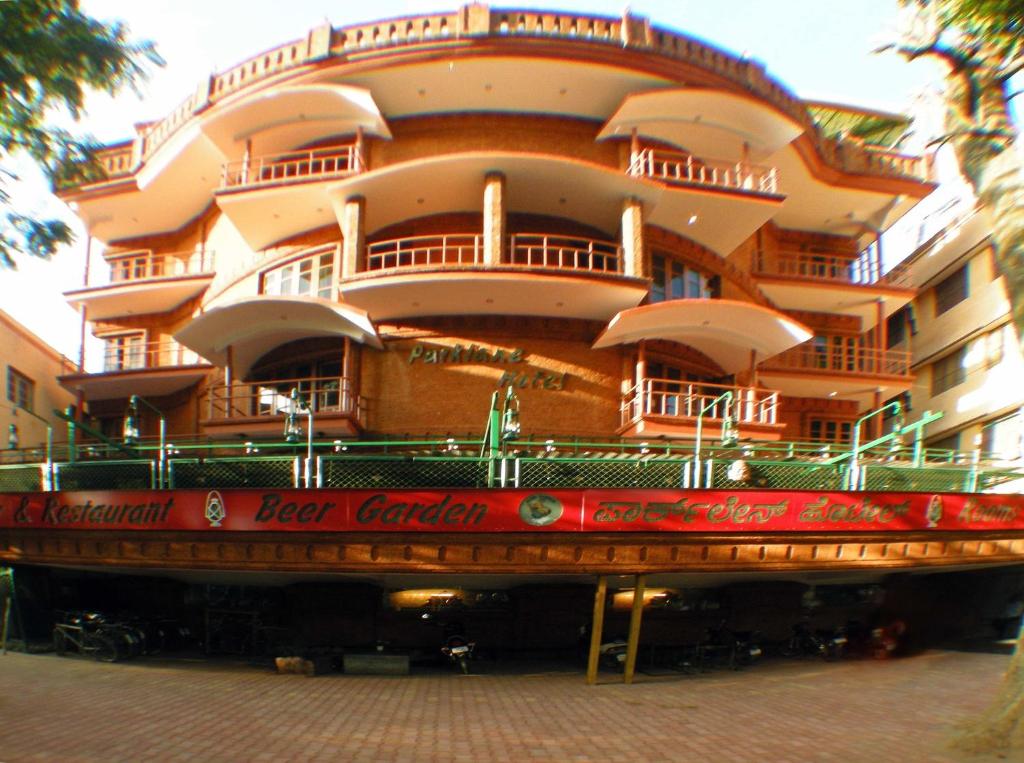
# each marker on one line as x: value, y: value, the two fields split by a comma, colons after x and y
x: 281, y: 118
x: 255, y: 325
x: 725, y: 330
x: 707, y: 123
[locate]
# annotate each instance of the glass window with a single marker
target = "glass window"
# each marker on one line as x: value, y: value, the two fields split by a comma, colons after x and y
x: 829, y: 430
x: 949, y: 371
x: 951, y: 291
x: 124, y: 351
x: 1002, y: 438
x: 672, y: 279
x: 20, y: 389
x: 309, y: 277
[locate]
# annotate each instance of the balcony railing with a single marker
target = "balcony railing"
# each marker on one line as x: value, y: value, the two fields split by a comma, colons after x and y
x: 325, y: 394
x: 685, y: 400
x: 420, y: 251
x: 127, y: 357
x: 144, y: 264
x: 848, y: 360
x: 539, y: 250
x: 291, y: 167
x: 861, y: 270
x: 680, y: 168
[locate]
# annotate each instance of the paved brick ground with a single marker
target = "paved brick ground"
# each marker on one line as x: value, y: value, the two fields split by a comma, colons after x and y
x: 73, y: 709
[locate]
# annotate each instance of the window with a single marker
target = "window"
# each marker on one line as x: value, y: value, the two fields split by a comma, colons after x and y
x: 20, y: 389
x: 900, y: 326
x: 674, y: 280
x: 123, y: 352
x: 309, y: 277
x: 951, y: 291
x: 1002, y: 438
x: 830, y: 430
x: 834, y: 353
x: 949, y: 442
x: 948, y: 372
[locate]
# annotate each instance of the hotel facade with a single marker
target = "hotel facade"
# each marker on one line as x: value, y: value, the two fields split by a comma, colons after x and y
x: 493, y: 298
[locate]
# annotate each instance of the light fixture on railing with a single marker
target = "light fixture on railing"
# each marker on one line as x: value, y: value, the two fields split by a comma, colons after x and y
x: 250, y: 448
x: 510, y: 426
x: 730, y: 432
x: 12, y: 436
x: 292, y: 427
x: 130, y: 431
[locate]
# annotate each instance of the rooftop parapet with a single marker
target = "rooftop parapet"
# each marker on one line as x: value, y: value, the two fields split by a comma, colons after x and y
x: 441, y: 30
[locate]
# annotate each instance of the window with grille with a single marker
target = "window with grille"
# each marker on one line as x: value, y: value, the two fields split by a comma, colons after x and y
x: 20, y: 389
x: 951, y: 291
x: 674, y: 280
x: 949, y: 371
x: 308, y: 277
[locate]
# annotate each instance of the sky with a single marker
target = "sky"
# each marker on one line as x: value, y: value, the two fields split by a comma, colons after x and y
x: 820, y: 49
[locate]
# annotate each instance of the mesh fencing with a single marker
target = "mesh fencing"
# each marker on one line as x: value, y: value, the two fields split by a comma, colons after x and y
x: 607, y: 473
x: 409, y: 472
x: 103, y: 475
x: 907, y: 479
x: 21, y: 479
x: 778, y: 474
x: 233, y: 472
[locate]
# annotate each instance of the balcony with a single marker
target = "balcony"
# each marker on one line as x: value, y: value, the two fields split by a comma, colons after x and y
x: 679, y: 168
x: 860, y: 373
x: 292, y: 167
x: 832, y: 283
x: 669, y: 408
x: 144, y: 281
x: 141, y: 368
x: 541, y: 274
x: 258, y: 408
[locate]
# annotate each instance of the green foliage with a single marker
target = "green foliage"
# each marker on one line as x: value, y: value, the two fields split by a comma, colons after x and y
x: 52, y: 56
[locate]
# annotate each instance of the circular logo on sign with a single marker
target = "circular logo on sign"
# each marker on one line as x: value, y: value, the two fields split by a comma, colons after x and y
x: 539, y: 510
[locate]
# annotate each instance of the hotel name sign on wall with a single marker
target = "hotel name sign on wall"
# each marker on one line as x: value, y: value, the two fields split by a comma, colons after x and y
x: 513, y: 373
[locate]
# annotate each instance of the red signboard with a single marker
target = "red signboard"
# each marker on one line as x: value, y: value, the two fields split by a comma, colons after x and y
x: 510, y: 510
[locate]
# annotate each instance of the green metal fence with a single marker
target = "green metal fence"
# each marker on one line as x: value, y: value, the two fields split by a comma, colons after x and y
x: 104, y: 475
x: 252, y: 471
x: 402, y: 472
x: 789, y: 475
x: 17, y: 478
x: 599, y: 472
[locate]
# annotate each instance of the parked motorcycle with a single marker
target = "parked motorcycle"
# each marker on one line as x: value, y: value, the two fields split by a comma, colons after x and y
x: 612, y: 654
x: 457, y: 647
x: 824, y: 643
x: 733, y: 649
x: 885, y: 639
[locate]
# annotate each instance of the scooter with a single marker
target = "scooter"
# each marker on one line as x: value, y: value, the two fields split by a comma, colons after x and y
x: 458, y: 649
x: 612, y: 654
x: 730, y: 648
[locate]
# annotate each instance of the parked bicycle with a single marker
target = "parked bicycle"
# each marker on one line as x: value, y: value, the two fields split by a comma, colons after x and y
x: 89, y: 633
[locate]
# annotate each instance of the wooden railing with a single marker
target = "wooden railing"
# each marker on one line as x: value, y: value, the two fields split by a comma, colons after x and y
x: 144, y: 263
x: 269, y: 399
x: 680, y: 168
x: 842, y: 360
x: 685, y: 400
x: 291, y: 167
x: 127, y: 356
x: 420, y: 251
x: 539, y: 250
x: 116, y: 161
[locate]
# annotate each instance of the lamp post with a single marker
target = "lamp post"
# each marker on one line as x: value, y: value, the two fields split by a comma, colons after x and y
x: 897, y: 409
x: 131, y: 430
x: 729, y: 433
x: 13, y: 439
x: 293, y: 430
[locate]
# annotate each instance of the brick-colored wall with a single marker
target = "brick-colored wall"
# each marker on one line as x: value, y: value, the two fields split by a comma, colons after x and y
x: 439, y: 398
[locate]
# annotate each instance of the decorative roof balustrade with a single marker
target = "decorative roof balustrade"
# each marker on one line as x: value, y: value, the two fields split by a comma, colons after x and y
x: 684, y: 169
x: 478, y: 21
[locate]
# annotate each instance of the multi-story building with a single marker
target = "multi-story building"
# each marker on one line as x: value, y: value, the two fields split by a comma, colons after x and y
x: 608, y: 244
x: 32, y: 393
